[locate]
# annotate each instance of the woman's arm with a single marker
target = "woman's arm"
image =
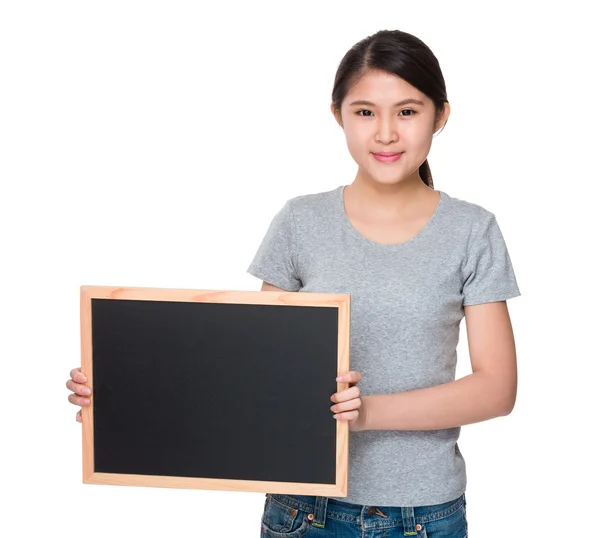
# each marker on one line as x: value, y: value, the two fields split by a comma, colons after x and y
x: 269, y: 287
x: 490, y: 391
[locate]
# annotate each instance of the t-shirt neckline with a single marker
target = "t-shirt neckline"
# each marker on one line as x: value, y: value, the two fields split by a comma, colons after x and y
x: 426, y: 230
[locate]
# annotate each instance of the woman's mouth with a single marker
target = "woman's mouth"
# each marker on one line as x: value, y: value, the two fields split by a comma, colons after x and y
x: 387, y: 156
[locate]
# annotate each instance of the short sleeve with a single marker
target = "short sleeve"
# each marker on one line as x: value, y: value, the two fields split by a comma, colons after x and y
x: 275, y: 261
x: 488, y: 273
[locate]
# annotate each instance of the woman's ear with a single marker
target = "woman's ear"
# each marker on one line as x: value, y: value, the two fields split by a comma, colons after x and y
x: 336, y: 116
x: 442, y: 118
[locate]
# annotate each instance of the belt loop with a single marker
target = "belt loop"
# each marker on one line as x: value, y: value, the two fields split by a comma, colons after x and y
x: 320, y: 511
x: 408, y: 521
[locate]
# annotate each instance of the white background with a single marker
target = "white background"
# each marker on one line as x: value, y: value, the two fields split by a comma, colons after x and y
x: 151, y: 143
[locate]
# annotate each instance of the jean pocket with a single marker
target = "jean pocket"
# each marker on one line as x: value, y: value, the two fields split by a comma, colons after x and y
x: 453, y: 525
x: 280, y: 521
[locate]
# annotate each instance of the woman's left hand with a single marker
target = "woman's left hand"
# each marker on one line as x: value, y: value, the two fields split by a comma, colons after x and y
x: 348, y: 403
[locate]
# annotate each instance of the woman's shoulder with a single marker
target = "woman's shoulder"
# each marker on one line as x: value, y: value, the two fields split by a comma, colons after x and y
x: 314, y: 201
x: 467, y: 210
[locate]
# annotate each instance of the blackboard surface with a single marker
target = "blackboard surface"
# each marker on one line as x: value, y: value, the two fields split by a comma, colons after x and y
x: 215, y: 390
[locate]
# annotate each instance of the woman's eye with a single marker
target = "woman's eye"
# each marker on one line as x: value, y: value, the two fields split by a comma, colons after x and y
x: 401, y: 112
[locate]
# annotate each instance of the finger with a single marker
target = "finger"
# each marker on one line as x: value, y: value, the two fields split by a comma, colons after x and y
x: 77, y: 376
x: 349, y: 377
x: 351, y: 415
x: 348, y: 394
x: 350, y: 405
x: 78, y: 400
x: 78, y: 416
x: 78, y: 388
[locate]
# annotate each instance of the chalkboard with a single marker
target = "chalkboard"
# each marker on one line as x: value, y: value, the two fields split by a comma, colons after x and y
x: 215, y: 389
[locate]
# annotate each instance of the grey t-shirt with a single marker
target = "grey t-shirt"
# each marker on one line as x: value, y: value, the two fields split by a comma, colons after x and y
x: 406, y: 307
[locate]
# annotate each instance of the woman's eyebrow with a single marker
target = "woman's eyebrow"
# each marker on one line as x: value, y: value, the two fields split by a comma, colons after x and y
x: 399, y: 103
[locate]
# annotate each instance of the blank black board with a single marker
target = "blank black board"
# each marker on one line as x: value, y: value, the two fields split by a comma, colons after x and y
x: 214, y: 390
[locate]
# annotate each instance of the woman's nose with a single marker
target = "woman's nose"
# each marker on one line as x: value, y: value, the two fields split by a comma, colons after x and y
x: 386, y: 132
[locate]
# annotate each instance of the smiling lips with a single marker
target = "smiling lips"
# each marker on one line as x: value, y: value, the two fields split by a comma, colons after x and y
x: 387, y: 156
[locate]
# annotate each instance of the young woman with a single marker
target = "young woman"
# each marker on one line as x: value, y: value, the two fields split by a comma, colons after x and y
x: 415, y: 261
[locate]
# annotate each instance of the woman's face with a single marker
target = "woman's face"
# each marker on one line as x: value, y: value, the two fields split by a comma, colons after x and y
x: 388, y: 125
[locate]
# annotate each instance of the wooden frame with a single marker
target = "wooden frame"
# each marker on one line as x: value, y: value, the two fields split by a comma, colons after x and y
x: 341, y: 302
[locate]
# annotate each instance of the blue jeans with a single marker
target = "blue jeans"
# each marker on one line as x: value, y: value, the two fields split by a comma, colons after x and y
x: 294, y: 516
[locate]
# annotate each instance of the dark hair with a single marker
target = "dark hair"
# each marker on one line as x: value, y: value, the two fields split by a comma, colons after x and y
x: 398, y: 53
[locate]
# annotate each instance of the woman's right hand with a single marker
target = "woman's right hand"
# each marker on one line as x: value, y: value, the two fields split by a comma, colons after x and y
x: 80, y: 391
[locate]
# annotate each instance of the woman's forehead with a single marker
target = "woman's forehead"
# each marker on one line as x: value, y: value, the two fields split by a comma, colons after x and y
x: 383, y: 89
